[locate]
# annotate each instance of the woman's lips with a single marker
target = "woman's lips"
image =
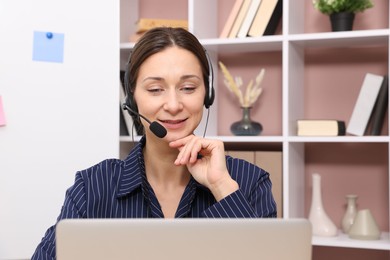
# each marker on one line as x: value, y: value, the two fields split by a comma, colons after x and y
x: 173, y: 124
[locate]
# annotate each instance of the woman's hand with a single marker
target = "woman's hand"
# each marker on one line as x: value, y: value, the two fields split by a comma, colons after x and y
x: 205, y: 160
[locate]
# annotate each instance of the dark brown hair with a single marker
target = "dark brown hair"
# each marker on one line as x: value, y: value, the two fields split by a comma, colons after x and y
x: 158, y: 39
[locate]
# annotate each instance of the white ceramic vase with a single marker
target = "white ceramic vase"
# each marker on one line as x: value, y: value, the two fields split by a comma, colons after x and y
x: 322, y: 225
x: 350, y: 213
x: 364, y: 226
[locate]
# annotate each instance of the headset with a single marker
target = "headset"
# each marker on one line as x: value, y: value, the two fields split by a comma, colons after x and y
x: 130, y: 102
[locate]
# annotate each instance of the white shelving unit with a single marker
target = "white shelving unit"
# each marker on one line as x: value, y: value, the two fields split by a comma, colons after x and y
x: 202, y: 16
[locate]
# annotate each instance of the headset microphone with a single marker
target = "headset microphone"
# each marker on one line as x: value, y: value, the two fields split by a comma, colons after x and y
x: 154, y: 126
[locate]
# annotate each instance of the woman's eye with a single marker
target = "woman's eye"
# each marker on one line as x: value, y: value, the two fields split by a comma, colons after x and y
x: 188, y: 88
x: 154, y: 90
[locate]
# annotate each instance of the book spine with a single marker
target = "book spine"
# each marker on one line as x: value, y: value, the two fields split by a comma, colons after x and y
x: 341, y: 128
x: 243, y: 31
x: 240, y: 18
x: 231, y: 18
x: 380, y: 107
x: 274, y: 20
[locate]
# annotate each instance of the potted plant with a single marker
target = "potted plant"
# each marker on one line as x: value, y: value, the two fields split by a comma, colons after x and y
x: 342, y: 12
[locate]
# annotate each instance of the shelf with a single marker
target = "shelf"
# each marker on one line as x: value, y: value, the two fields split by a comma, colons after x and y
x: 291, y: 139
x: 342, y: 240
x: 275, y: 42
x: 228, y: 139
x: 237, y: 45
x: 308, y: 71
x: 300, y: 139
x: 259, y: 44
x: 341, y: 39
x: 339, y: 139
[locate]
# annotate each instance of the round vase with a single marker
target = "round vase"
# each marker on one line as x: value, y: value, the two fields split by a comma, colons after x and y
x: 322, y: 225
x: 246, y: 126
x: 350, y: 213
x: 342, y: 21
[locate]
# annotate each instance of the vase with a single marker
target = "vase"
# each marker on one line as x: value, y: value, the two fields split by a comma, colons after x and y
x: 322, y: 225
x: 246, y: 126
x: 350, y: 213
x: 364, y: 227
x: 342, y: 21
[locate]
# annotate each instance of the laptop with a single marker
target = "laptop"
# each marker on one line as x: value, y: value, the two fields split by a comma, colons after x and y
x: 178, y: 239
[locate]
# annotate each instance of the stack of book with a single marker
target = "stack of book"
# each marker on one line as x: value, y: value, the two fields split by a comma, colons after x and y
x: 252, y: 18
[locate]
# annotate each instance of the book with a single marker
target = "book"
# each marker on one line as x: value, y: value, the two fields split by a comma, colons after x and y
x: 320, y: 127
x: 380, y: 108
x: 240, y: 18
x: 254, y: 6
x: 267, y: 18
x: 270, y: 161
x: 231, y: 18
x: 145, y: 24
x: 275, y: 19
x: 364, y: 104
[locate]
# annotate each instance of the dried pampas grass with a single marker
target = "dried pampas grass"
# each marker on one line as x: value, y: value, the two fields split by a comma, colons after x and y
x: 252, y: 91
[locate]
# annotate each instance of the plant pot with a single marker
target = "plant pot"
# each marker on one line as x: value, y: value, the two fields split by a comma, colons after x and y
x: 342, y: 21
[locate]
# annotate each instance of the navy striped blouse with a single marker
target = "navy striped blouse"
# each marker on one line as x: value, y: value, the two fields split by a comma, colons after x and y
x: 119, y: 189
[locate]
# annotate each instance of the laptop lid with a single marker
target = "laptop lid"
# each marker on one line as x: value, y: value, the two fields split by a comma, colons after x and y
x: 174, y: 239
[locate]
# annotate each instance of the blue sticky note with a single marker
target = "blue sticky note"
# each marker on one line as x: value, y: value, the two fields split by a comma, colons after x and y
x: 48, y: 46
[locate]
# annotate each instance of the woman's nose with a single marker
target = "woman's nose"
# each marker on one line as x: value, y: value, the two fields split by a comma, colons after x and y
x: 173, y: 102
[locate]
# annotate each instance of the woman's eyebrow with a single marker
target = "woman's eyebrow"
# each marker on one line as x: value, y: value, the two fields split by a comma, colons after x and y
x: 189, y: 77
x: 153, y: 78
x: 184, y: 77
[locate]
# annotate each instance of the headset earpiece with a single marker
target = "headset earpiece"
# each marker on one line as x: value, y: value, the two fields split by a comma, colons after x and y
x: 129, y: 98
x: 210, y: 93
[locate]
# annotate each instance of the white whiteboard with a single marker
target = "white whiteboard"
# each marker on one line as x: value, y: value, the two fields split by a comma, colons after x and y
x: 61, y: 117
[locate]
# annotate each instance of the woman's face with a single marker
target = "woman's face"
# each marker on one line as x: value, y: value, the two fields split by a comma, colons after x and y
x: 170, y: 90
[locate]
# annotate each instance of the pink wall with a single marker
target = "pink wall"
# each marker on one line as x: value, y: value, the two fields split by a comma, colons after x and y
x: 268, y: 109
x: 333, y: 78
x: 163, y: 9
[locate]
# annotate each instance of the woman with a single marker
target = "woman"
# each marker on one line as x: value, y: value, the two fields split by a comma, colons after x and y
x: 179, y: 175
